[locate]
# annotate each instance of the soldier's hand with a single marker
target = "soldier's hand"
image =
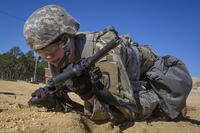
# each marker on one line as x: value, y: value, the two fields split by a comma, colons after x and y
x: 42, y: 98
x: 82, y: 86
x: 38, y: 96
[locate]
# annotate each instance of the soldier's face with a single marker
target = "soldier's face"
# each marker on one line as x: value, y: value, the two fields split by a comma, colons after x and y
x: 53, y: 53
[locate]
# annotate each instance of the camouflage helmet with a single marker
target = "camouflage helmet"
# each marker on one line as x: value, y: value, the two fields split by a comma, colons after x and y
x: 46, y: 24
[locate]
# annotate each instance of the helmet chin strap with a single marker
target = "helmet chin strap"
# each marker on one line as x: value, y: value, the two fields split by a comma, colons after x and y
x: 65, y: 61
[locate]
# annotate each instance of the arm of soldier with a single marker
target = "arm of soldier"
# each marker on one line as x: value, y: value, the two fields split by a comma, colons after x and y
x: 105, y: 106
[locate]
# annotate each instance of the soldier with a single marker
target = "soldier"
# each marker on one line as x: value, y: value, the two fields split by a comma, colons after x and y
x: 136, y: 82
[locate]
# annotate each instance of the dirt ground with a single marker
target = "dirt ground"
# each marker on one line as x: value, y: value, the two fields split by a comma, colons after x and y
x: 17, y: 116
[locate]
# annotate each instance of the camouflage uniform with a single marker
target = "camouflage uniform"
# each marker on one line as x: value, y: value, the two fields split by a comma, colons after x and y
x: 139, y: 80
x: 131, y: 80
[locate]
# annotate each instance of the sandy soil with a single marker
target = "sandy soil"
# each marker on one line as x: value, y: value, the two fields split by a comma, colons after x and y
x: 17, y: 116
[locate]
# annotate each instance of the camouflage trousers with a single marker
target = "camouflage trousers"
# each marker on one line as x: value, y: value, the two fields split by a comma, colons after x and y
x: 149, y: 101
x: 147, y: 98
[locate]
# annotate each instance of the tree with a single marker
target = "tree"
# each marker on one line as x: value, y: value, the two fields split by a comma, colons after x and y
x: 15, y: 52
x: 15, y: 65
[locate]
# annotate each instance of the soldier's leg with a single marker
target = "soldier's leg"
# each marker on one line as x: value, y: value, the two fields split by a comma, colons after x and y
x: 146, y: 99
x: 149, y: 100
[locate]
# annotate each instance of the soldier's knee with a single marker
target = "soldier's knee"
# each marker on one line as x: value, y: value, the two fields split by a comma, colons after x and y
x: 149, y: 101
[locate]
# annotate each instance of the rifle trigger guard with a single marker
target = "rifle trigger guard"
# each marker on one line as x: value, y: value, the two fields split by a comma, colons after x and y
x: 95, y: 74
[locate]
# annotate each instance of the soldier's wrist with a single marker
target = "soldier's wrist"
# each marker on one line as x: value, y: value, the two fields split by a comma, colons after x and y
x: 91, y: 100
x: 86, y: 95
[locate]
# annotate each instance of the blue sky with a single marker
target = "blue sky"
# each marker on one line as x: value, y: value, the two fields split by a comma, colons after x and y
x: 168, y: 26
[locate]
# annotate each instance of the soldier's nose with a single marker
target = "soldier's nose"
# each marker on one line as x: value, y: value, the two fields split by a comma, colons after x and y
x: 48, y: 57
